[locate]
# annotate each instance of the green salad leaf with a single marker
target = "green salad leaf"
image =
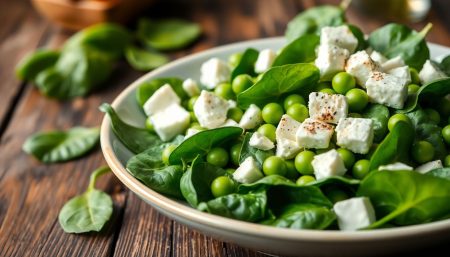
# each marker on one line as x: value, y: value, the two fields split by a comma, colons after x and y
x: 143, y: 60
x: 249, y: 151
x: 30, y: 66
x: 147, y: 88
x: 301, y: 50
x: 380, y: 116
x: 335, y: 180
x: 362, y: 42
x: 445, y: 65
x: 428, y: 92
x: 246, y: 64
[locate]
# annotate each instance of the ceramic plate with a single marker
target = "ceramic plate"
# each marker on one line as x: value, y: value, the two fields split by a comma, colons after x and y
x: 259, y: 237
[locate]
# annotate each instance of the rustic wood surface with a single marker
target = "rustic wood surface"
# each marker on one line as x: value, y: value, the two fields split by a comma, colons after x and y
x: 31, y: 194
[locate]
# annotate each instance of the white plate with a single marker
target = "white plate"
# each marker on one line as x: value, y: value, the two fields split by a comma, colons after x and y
x: 259, y: 237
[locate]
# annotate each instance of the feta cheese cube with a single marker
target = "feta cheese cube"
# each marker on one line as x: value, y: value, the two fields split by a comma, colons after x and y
x: 210, y: 110
x: 191, y: 87
x: 340, y: 36
x: 392, y: 63
x: 261, y: 142
x: 401, y: 73
x: 328, y: 164
x: 160, y: 100
x: 326, y: 107
x: 354, y: 213
x: 330, y: 60
x: 424, y: 168
x: 430, y: 72
x: 213, y: 72
x: 355, y: 134
x: 387, y: 89
x: 170, y: 122
x: 265, y: 60
x: 378, y: 57
x: 248, y: 171
x: 230, y: 123
x: 314, y: 134
x: 251, y: 117
x: 287, y: 146
x: 360, y: 65
x: 395, y: 166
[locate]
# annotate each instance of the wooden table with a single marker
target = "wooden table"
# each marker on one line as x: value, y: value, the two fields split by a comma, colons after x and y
x: 31, y: 193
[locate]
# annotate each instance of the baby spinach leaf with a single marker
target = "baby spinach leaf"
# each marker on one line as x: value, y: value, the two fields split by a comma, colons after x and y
x: 202, y: 142
x: 146, y: 89
x: 406, y: 197
x: 247, y: 207
x: 301, y: 50
x: 428, y: 92
x: 440, y: 172
x: 30, y: 66
x: 249, y: 151
x: 168, y: 34
x: 380, y: 116
x: 135, y: 139
x: 246, y: 64
x: 278, y: 81
x: 60, y: 146
x: 196, y: 181
x: 445, y: 65
x: 313, y: 19
x: 398, y: 40
x: 89, y: 211
x: 362, y: 42
x: 335, y: 180
x: 304, y: 216
x: 266, y: 182
x: 144, y: 60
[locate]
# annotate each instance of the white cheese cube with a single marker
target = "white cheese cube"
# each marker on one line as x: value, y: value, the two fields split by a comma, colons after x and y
x: 330, y: 60
x: 340, y: 36
x: 360, y: 65
x: 314, y: 134
x: 395, y: 166
x: 355, y: 134
x: 354, y: 213
x: 424, y: 168
x: 191, y: 87
x: 401, y: 73
x: 287, y: 146
x: 170, y: 122
x: 328, y: 164
x: 210, y: 110
x: 265, y: 60
x: 230, y: 123
x: 378, y: 57
x: 190, y: 132
x: 261, y: 142
x: 387, y: 89
x: 248, y: 171
x: 392, y: 63
x: 160, y: 100
x: 326, y: 107
x: 430, y: 72
x: 251, y: 117
x: 213, y: 72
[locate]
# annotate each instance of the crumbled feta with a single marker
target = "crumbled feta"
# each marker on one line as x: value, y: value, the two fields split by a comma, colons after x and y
x: 328, y: 164
x: 261, y: 142
x: 314, y: 134
x: 378, y: 57
x: 430, y: 72
x: 387, y: 89
x: 160, y: 100
x: 248, y: 171
x: 210, y: 110
x: 326, y: 107
x: 392, y: 63
x: 265, y: 60
x: 424, y: 168
x: 340, y: 36
x: 251, y: 118
x: 360, y: 65
x: 354, y: 213
x: 213, y: 72
x: 230, y: 123
x: 191, y: 87
x: 395, y: 166
x: 355, y: 134
x: 330, y: 60
x: 231, y: 104
x: 401, y: 73
x: 170, y: 122
x: 287, y: 146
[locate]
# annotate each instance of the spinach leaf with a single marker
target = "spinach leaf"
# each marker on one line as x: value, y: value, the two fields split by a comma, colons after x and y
x: 335, y: 180
x: 246, y: 64
x: 313, y: 19
x: 380, y: 117
x: 395, y: 147
x: 278, y: 81
x: 168, y: 34
x: 362, y: 42
x: 144, y: 60
x: 135, y: 139
x: 247, y: 207
x: 146, y: 89
x: 445, y: 65
x: 428, y: 92
x: 440, y: 172
x: 398, y: 40
x: 30, y: 66
x: 406, y: 197
x: 60, y: 146
x: 249, y: 151
x: 196, y: 181
x: 301, y: 50
x: 89, y: 211
x: 304, y: 216
x: 202, y: 142
x: 266, y: 182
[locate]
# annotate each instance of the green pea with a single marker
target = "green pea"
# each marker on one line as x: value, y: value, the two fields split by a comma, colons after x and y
x: 241, y: 83
x: 336, y: 195
x: 422, y: 151
x: 433, y: 115
x: 222, y: 185
x: 343, y: 82
x: 149, y: 125
x: 447, y: 161
x: 268, y: 130
x: 361, y: 168
x: 298, y: 112
x: 196, y: 125
x: 274, y: 165
x: 166, y: 153
x: 235, y: 114
x: 396, y: 118
x: 191, y: 103
x: 235, y: 152
x: 413, y: 88
x: 303, y: 162
x: 234, y: 59
x: 414, y: 76
x: 347, y: 156
x: 446, y: 134
x: 328, y: 91
x: 305, y: 180
x: 272, y: 112
x: 217, y: 156
x: 293, y: 99
x: 357, y: 99
x: 224, y: 90
x: 291, y: 172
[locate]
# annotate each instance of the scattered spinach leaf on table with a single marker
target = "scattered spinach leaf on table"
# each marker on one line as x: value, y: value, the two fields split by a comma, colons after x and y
x: 246, y: 64
x: 301, y: 50
x: 30, y: 66
x: 144, y: 60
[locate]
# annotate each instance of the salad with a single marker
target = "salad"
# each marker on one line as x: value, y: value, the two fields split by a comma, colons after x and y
x: 333, y: 131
